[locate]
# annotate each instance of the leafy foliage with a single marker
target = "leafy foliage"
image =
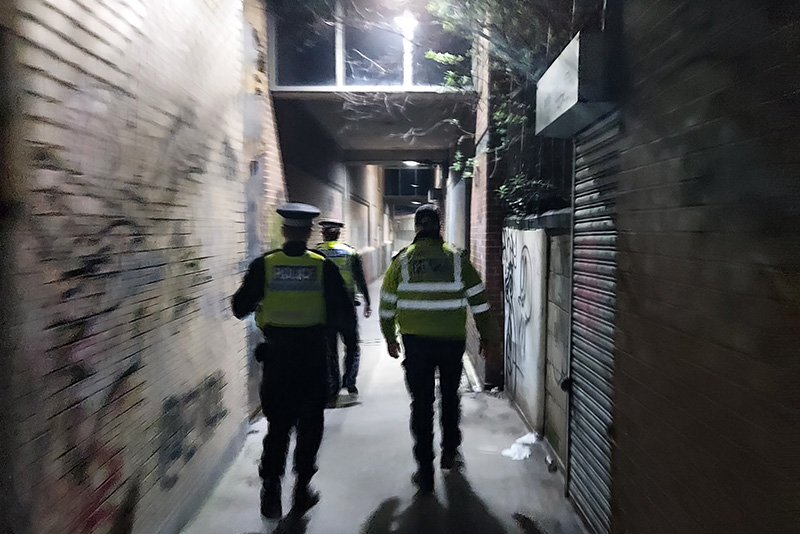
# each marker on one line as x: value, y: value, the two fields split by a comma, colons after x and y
x: 522, y: 194
x: 520, y: 32
x: 463, y: 165
x: 444, y: 58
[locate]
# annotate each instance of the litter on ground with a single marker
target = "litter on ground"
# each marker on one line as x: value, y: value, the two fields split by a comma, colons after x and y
x: 521, y: 449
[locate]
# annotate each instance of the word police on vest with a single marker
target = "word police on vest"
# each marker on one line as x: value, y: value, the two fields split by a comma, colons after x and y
x: 294, y: 273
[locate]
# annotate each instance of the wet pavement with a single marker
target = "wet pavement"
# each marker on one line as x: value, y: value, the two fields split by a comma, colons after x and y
x: 365, y: 467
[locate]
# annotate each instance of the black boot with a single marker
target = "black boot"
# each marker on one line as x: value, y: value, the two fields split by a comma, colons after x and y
x: 271, y: 500
x: 451, y: 459
x: 305, y: 497
x: 423, y: 479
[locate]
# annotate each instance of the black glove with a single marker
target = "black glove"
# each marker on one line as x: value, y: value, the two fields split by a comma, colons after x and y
x: 261, y: 352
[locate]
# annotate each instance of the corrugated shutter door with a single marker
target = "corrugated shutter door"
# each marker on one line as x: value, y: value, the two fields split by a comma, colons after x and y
x: 593, y: 309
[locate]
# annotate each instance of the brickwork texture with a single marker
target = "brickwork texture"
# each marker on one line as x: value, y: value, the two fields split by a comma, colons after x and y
x: 128, y: 368
x: 486, y: 250
x: 266, y: 189
x: 707, y: 410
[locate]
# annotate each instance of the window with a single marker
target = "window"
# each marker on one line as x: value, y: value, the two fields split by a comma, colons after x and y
x: 306, y: 48
x: 377, y: 43
x: 408, y: 182
x: 374, y: 56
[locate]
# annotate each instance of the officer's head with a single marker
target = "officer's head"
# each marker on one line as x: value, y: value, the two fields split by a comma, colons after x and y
x: 331, y: 229
x: 427, y: 219
x: 297, y: 221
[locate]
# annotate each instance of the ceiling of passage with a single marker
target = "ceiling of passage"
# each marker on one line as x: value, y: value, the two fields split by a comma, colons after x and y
x: 390, y: 125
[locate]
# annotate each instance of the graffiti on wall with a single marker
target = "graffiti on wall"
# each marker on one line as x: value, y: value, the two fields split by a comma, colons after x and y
x: 87, y: 497
x: 105, y: 249
x: 524, y: 292
x: 516, y: 290
x: 187, y: 422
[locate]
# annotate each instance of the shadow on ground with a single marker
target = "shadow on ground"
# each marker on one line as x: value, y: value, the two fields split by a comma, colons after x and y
x: 288, y: 525
x: 465, y: 513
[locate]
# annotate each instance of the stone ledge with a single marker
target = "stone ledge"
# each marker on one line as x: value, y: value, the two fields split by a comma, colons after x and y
x: 554, y: 222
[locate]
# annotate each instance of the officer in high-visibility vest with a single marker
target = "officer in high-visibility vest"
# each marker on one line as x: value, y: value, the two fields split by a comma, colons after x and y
x: 349, y: 262
x: 297, y: 295
x: 425, y: 294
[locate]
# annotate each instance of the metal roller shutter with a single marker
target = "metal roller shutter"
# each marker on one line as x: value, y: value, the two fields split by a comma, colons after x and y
x: 593, y: 309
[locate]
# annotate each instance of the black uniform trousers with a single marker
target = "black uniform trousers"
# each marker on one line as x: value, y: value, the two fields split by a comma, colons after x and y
x: 423, y: 355
x: 352, y: 360
x: 293, y: 395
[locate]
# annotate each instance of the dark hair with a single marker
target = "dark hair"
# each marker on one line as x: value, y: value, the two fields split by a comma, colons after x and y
x: 333, y: 231
x: 296, y: 233
x: 427, y: 216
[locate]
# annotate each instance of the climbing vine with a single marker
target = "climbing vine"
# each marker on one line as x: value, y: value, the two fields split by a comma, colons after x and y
x: 524, y: 37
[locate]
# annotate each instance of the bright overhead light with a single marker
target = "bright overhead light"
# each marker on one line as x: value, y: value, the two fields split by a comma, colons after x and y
x: 410, y: 163
x: 416, y: 203
x: 406, y: 22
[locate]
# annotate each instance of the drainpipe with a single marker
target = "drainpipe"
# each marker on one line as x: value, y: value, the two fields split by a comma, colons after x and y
x: 468, y: 214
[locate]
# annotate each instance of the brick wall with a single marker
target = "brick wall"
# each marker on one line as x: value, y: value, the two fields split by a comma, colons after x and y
x: 266, y: 189
x: 10, y: 214
x: 129, y: 371
x: 706, y: 412
x: 261, y: 143
x: 325, y: 193
x: 486, y: 229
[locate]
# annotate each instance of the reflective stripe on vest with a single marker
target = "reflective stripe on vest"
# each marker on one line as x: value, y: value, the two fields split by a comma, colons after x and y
x: 293, y: 291
x: 431, y: 295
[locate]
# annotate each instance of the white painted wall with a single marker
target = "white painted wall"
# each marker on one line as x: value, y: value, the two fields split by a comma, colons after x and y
x: 525, y: 283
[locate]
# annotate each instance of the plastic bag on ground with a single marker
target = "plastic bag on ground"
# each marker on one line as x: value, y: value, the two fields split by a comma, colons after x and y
x: 517, y: 451
x: 528, y: 439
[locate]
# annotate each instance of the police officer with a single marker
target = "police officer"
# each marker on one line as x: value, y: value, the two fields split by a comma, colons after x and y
x: 425, y: 293
x: 296, y: 295
x: 349, y: 262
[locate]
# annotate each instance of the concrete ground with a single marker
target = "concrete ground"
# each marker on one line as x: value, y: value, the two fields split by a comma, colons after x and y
x: 365, y: 466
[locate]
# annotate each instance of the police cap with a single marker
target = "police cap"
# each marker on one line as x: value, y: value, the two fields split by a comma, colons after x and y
x: 331, y: 223
x: 298, y: 215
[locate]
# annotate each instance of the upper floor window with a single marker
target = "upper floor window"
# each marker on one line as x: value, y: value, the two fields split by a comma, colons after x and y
x: 305, y: 47
x: 363, y: 43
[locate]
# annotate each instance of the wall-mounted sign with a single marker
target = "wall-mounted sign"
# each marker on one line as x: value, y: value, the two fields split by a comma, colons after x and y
x: 574, y: 91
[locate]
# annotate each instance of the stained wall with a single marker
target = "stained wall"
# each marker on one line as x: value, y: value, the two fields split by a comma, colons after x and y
x: 128, y: 370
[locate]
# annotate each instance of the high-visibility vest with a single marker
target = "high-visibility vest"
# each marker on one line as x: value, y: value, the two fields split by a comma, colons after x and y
x: 426, y: 292
x: 342, y: 256
x: 293, y: 291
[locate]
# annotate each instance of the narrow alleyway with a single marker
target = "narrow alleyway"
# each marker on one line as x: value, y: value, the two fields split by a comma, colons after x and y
x: 365, y: 466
